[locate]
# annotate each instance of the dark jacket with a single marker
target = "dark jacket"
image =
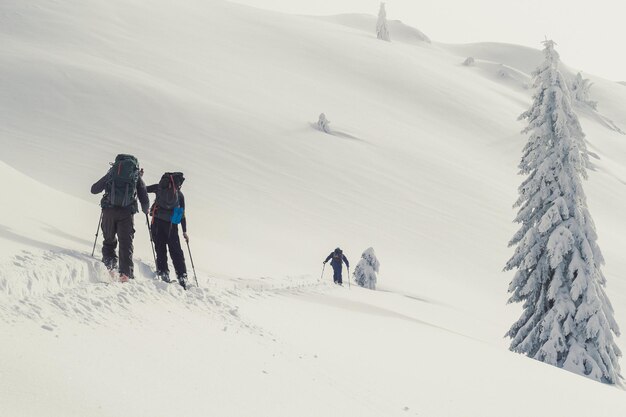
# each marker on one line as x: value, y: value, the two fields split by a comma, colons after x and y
x: 336, y: 260
x: 142, y: 194
x: 154, y: 188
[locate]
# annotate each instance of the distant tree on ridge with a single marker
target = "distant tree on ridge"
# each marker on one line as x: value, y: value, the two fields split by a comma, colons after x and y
x: 382, y: 32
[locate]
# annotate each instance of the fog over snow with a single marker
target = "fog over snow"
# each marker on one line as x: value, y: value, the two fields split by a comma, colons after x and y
x: 590, y: 35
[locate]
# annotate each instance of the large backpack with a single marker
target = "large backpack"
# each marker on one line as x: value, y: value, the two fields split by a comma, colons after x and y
x: 122, y: 181
x: 338, y: 255
x: 167, y: 203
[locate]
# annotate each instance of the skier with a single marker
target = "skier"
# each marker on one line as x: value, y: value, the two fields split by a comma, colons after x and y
x: 167, y: 212
x: 337, y: 258
x: 121, y: 185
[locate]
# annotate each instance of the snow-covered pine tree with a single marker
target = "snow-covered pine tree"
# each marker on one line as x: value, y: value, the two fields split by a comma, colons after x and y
x: 580, y: 91
x: 366, y: 270
x: 382, y: 32
x: 567, y: 318
x: 322, y: 123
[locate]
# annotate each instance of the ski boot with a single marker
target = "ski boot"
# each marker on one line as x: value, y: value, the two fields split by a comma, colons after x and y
x: 110, y: 263
x: 164, y: 276
x: 182, y: 280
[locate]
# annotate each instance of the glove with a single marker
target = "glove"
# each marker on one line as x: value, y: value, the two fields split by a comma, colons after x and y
x: 324, y: 262
x: 186, y: 236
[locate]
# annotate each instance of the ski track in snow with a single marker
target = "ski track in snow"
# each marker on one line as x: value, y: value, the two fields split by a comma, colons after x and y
x: 45, y: 287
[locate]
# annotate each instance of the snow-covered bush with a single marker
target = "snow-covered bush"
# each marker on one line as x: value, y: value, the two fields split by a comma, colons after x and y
x: 469, y: 61
x: 567, y: 318
x: 322, y: 123
x: 366, y: 270
x: 580, y: 91
x: 503, y: 71
x: 382, y: 32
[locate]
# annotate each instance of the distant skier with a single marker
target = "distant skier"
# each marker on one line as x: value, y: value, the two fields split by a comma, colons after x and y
x: 167, y: 212
x: 121, y: 185
x: 338, y: 258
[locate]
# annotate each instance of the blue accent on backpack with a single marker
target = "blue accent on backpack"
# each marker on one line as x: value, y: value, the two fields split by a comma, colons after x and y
x: 177, y: 215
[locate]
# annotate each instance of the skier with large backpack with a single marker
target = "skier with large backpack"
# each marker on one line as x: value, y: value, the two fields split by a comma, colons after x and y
x: 168, y: 211
x: 122, y: 185
x: 338, y: 258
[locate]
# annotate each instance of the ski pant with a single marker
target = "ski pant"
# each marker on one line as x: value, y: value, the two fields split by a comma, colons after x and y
x: 337, y: 273
x: 117, y: 225
x: 165, y: 234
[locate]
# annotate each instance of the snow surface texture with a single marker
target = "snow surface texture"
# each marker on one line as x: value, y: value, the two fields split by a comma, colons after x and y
x: 424, y: 171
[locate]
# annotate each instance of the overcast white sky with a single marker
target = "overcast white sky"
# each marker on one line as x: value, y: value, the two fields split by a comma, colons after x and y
x: 590, y: 33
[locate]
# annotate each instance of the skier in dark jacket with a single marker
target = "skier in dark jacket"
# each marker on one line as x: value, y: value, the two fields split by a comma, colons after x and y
x: 117, y: 214
x: 167, y: 212
x: 338, y: 258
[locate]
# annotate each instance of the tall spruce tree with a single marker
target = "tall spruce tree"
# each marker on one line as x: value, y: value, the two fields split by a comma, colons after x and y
x: 567, y: 318
x: 382, y: 32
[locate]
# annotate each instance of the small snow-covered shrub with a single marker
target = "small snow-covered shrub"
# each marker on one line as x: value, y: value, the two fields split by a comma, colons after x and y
x: 580, y: 91
x: 503, y: 72
x: 322, y: 123
x: 366, y: 270
x: 469, y: 61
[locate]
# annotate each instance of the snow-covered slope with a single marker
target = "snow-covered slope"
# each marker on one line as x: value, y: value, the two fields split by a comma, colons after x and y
x: 422, y: 167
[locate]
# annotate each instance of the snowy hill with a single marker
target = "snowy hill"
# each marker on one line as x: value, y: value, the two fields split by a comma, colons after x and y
x: 422, y: 167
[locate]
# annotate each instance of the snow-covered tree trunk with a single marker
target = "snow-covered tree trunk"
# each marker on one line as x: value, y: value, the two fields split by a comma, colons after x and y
x: 567, y: 318
x: 382, y: 32
x: 366, y: 270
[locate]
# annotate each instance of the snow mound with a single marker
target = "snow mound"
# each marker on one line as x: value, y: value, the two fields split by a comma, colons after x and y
x: 518, y: 57
x: 514, y: 79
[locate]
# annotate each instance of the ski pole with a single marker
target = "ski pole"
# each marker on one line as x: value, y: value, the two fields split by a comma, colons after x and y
x: 151, y: 241
x: 192, y: 267
x: 348, y: 277
x: 323, y: 267
x: 97, y: 231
